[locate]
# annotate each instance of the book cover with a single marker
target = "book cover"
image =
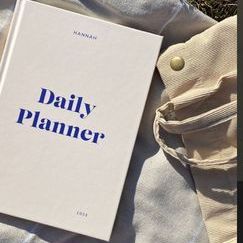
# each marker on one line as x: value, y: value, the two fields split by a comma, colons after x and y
x: 73, y: 89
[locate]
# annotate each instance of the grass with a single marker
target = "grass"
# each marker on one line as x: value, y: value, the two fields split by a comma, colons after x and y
x: 217, y: 9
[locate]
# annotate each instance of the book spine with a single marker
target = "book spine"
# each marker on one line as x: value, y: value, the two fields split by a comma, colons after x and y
x: 13, y: 30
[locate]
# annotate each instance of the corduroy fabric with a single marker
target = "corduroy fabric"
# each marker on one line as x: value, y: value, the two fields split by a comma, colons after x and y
x: 202, y: 110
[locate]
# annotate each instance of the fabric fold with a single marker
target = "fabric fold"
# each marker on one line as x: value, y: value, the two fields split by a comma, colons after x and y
x: 202, y: 109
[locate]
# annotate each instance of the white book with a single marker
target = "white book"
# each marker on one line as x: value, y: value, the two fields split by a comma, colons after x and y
x: 73, y: 89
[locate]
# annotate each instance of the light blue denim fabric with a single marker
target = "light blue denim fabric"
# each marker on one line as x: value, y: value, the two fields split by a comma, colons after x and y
x: 159, y: 203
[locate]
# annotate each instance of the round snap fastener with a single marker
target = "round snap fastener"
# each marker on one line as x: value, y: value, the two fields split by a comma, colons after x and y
x: 177, y: 63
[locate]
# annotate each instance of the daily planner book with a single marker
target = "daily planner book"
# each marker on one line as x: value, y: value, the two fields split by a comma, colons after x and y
x: 73, y: 89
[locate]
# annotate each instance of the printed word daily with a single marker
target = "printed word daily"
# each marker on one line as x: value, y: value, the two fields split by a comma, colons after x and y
x: 72, y: 103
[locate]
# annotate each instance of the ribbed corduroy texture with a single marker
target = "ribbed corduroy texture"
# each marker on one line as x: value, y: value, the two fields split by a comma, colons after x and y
x: 205, y: 91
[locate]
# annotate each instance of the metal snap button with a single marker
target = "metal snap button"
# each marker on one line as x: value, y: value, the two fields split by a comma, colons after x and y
x: 177, y: 63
